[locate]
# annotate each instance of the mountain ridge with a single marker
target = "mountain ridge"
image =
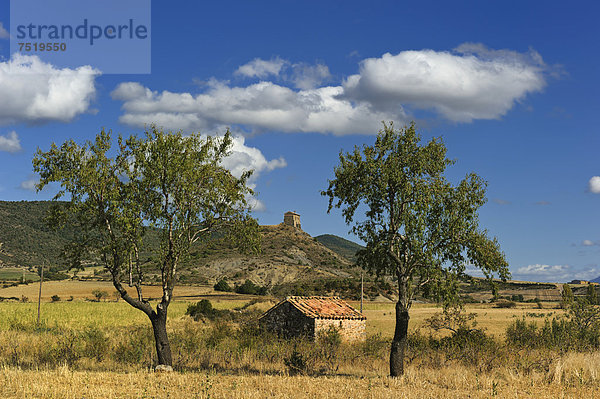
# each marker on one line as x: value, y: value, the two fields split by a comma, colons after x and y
x: 288, y: 254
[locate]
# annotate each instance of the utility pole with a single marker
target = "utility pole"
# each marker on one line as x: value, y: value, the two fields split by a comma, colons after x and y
x: 361, y: 291
x: 40, y: 294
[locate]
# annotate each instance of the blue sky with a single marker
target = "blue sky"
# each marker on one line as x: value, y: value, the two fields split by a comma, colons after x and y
x: 512, y: 87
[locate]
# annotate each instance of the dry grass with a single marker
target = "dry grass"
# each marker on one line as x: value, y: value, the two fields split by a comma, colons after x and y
x: 83, y: 290
x: 246, y: 374
x: 381, y: 316
x: 455, y: 382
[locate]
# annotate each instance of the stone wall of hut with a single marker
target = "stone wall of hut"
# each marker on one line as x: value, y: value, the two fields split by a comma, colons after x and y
x: 288, y: 321
x: 351, y: 330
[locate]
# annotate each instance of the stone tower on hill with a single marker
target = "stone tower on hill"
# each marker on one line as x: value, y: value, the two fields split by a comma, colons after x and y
x: 292, y: 219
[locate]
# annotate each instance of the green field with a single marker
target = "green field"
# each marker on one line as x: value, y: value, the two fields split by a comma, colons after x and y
x: 17, y: 274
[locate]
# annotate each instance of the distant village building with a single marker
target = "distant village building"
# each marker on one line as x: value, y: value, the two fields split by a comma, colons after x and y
x: 578, y: 282
x: 307, y: 316
x: 292, y: 219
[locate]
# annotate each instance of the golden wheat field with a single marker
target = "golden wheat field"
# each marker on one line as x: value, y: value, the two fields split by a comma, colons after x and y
x: 447, y: 383
x: 53, y: 361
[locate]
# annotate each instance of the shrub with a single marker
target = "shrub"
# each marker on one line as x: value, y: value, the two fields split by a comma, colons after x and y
x: 567, y: 297
x: 296, y: 363
x: 517, y: 298
x: 219, y: 332
x: 222, y: 286
x: 250, y: 288
x: 374, y: 346
x: 506, y: 304
x: 204, y: 310
x: 201, y: 309
x: 96, y: 343
x: 452, y: 318
x: 562, y: 334
x: 99, y: 294
x: 67, y: 349
x: 521, y: 333
x: 328, y: 348
x: 135, y: 347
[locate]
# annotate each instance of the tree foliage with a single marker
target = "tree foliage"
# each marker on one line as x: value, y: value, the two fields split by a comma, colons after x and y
x: 418, y: 227
x: 166, y: 181
x: 567, y: 296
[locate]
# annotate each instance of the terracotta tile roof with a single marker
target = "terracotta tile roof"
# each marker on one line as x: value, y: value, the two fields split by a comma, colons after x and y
x: 322, y: 307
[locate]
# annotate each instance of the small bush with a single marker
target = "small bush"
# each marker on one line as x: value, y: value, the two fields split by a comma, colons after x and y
x: 249, y: 288
x: 522, y: 334
x: 328, y: 348
x: 374, y: 346
x: 136, y: 347
x: 96, y: 343
x: 218, y: 333
x: 100, y: 295
x: 559, y: 333
x: 296, y: 363
x: 506, y: 304
x: 204, y: 310
x: 222, y: 286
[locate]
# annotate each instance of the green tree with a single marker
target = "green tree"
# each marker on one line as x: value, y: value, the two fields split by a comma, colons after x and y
x: 100, y: 294
x: 592, y: 294
x: 567, y: 297
x: 222, y: 285
x: 419, y: 228
x: 166, y: 181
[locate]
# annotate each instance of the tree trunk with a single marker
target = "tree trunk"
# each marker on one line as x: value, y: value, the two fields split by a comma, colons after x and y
x: 159, y: 326
x: 399, y: 342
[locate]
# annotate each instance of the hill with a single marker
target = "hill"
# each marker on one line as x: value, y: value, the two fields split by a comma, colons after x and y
x: 291, y: 261
x: 25, y: 239
x: 288, y: 254
x: 339, y: 245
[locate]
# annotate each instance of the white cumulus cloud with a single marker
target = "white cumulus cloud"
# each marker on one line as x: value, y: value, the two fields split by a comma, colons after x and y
x: 29, y: 184
x: 260, y: 68
x: 470, y: 83
x: 3, y: 32
x: 542, y: 269
x: 308, y: 77
x: 260, y: 106
x: 10, y: 142
x: 540, y: 272
x: 500, y: 201
x: 33, y: 91
x: 303, y: 75
x: 594, y: 185
x: 243, y: 158
x: 555, y: 273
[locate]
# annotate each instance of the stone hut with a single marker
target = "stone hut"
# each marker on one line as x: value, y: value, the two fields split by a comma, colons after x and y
x: 309, y: 315
x: 292, y: 219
